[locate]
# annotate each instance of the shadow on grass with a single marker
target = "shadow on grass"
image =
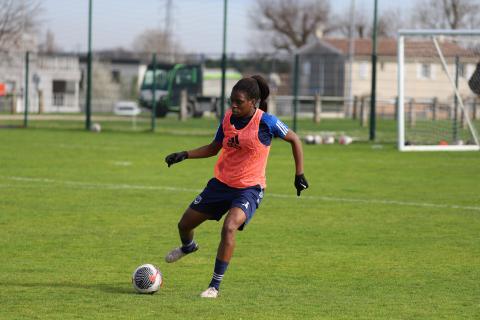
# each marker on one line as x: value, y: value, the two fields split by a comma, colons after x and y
x: 107, y: 288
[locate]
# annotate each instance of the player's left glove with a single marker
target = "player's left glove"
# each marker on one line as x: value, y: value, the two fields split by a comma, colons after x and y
x: 176, y: 157
x: 300, y: 183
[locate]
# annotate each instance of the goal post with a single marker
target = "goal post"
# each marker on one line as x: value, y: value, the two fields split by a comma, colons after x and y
x: 437, y: 111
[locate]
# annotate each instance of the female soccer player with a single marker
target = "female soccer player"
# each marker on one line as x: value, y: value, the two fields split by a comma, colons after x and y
x: 244, y: 136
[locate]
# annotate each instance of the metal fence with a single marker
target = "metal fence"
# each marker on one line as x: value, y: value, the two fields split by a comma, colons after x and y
x: 330, y: 96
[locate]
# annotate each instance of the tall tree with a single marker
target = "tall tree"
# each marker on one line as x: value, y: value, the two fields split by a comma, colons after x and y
x: 155, y: 40
x: 48, y: 45
x: 447, y: 14
x: 17, y: 20
x: 362, y: 24
x: 389, y: 21
x: 290, y: 24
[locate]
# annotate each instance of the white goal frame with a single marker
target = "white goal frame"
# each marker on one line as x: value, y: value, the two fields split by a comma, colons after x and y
x: 401, y: 82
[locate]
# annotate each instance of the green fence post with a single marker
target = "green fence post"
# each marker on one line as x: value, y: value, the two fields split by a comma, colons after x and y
x: 373, y: 93
x: 154, y: 85
x: 27, y: 76
x: 88, y: 102
x: 295, y: 91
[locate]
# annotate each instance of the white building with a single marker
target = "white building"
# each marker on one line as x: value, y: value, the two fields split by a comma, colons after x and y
x: 53, y: 84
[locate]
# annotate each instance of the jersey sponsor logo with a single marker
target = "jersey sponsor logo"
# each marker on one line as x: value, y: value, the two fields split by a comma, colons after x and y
x: 197, y: 200
x: 234, y: 142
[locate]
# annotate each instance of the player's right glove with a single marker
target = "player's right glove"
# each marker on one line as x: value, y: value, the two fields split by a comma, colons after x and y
x: 176, y: 157
x: 300, y: 183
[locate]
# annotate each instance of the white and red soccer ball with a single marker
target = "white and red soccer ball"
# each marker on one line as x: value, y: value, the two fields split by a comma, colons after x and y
x: 343, y: 139
x: 147, y: 278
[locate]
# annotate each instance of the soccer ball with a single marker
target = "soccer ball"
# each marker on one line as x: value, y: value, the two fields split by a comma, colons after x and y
x: 147, y: 279
x: 310, y: 139
x: 96, y: 127
x: 345, y: 140
x: 328, y: 139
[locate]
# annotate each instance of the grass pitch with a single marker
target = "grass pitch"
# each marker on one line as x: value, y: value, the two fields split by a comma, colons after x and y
x: 379, y: 234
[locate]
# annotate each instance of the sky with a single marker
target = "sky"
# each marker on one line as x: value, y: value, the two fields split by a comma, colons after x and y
x: 196, y: 24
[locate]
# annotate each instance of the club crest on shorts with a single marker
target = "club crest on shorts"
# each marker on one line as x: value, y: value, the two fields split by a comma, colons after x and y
x: 197, y: 200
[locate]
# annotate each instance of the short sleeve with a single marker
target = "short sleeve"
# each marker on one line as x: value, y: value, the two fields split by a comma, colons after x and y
x: 219, y: 135
x: 277, y: 128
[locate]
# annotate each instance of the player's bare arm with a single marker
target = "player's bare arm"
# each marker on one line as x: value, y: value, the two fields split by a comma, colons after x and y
x: 297, y: 150
x: 205, y: 151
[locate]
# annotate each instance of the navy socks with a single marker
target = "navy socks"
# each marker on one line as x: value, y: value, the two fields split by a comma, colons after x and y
x: 189, y: 247
x: 218, y: 272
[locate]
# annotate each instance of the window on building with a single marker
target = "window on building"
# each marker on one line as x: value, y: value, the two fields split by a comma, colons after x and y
x: 116, y: 76
x: 63, y: 86
x: 307, y: 67
x: 363, y: 70
x: 425, y: 71
x: 61, y: 89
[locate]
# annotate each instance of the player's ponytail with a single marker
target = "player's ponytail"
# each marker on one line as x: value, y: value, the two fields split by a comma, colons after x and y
x: 255, y: 87
x: 264, y: 91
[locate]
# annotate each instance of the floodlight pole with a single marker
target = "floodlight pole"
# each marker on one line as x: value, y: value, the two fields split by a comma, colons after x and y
x: 224, y: 59
x: 89, y: 70
x: 373, y: 94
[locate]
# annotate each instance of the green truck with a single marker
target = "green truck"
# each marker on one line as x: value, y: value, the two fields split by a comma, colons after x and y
x: 203, y: 87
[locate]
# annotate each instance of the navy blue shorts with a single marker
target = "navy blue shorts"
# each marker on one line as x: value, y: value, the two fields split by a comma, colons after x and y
x: 217, y: 198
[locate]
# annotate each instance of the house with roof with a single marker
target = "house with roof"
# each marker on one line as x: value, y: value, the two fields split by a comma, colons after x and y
x: 53, y: 82
x: 324, y: 68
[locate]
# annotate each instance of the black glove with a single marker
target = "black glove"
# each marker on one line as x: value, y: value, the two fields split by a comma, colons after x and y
x: 300, y: 183
x: 176, y: 157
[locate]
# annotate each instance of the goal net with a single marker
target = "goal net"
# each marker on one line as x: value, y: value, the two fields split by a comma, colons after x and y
x: 437, y: 110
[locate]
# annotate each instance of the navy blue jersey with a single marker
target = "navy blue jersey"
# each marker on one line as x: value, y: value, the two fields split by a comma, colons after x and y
x: 270, y: 127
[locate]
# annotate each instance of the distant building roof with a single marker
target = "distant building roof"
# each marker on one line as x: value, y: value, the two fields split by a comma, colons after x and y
x: 388, y: 47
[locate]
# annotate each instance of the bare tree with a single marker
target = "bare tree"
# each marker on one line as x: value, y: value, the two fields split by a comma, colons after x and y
x: 17, y: 19
x: 447, y: 14
x: 389, y: 21
x: 49, y: 44
x: 155, y: 40
x: 362, y: 24
x: 290, y: 24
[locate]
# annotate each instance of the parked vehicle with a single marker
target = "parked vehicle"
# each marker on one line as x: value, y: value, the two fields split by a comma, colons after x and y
x: 203, y: 87
x: 126, y: 108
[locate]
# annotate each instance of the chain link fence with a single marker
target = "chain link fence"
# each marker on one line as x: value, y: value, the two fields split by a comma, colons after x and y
x: 333, y: 93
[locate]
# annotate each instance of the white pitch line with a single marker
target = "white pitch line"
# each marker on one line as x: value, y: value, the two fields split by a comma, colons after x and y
x: 276, y: 195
